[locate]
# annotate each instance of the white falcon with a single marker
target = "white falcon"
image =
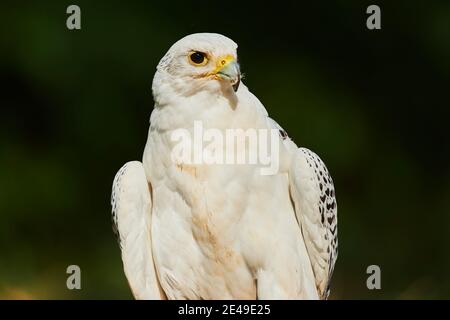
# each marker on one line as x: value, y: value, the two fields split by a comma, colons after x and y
x: 221, y: 230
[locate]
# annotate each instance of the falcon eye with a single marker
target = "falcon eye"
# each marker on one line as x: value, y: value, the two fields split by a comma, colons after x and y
x: 198, y: 58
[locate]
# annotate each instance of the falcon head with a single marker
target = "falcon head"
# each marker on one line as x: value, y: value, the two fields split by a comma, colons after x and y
x: 199, y: 61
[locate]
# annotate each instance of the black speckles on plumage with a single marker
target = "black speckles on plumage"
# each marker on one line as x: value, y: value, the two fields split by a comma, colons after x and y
x: 327, y: 206
x: 333, y: 230
x: 330, y: 206
x: 283, y: 134
x: 116, y: 191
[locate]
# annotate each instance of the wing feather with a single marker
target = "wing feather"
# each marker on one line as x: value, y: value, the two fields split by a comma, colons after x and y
x: 313, y: 194
x: 131, y: 214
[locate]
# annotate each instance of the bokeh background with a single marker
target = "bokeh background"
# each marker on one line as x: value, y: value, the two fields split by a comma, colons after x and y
x: 374, y: 105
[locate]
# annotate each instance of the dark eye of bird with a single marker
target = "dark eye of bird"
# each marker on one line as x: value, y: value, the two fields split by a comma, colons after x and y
x: 197, y: 57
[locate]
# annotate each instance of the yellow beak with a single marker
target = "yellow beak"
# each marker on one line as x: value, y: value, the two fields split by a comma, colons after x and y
x: 227, y: 68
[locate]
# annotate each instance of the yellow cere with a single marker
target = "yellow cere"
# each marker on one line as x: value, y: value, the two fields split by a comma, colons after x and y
x: 222, y: 62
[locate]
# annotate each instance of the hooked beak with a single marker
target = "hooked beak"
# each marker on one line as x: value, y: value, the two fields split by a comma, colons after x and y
x: 228, y: 69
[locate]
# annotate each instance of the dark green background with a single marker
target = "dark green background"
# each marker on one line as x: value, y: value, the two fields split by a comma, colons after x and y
x: 373, y: 104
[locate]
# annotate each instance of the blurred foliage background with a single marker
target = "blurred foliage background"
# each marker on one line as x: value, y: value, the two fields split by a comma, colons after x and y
x: 373, y: 104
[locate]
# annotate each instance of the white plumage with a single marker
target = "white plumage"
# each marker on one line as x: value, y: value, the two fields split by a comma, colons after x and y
x: 221, y: 231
